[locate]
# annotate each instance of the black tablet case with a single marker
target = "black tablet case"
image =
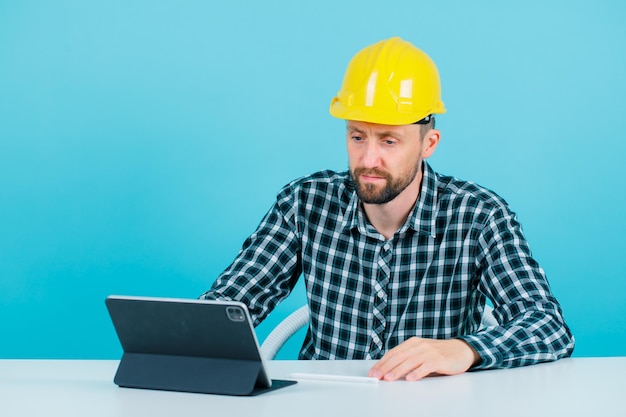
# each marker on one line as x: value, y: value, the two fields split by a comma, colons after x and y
x: 188, y: 346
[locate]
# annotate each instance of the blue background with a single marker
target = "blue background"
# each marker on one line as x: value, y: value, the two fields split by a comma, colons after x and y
x: 142, y: 141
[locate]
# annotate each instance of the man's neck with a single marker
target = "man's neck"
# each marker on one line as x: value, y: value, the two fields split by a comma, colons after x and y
x: 388, y: 218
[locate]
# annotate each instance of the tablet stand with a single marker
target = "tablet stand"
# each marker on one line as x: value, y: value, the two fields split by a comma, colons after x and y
x: 190, y: 374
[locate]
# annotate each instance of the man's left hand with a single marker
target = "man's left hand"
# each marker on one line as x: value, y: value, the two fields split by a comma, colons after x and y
x: 416, y: 358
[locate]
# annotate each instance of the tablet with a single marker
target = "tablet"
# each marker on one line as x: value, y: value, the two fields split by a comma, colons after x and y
x: 188, y: 345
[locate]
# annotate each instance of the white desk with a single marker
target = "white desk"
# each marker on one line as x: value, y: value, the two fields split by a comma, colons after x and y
x: 570, y: 387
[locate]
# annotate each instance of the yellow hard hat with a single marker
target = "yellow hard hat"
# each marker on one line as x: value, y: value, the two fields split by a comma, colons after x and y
x: 390, y: 82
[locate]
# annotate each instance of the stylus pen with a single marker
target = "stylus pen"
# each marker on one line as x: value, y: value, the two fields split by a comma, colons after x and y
x: 335, y: 378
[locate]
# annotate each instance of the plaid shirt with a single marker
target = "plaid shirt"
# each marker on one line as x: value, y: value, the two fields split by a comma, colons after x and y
x: 459, y: 246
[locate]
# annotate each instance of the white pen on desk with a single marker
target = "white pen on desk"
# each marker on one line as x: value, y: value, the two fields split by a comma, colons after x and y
x: 334, y: 378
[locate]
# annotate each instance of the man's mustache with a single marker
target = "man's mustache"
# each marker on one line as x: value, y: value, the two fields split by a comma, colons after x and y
x: 374, y: 172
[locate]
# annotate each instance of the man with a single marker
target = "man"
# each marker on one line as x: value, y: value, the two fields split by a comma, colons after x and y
x: 398, y: 261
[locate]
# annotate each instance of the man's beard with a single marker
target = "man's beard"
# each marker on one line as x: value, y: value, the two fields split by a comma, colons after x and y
x: 371, y: 194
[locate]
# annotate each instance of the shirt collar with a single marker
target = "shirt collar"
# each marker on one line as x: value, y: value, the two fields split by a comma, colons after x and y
x: 353, y: 217
x: 422, y: 217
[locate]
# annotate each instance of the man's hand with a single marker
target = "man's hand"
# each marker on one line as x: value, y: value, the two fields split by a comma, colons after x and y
x: 416, y: 358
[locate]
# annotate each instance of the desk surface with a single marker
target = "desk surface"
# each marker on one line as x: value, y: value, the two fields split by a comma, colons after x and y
x: 570, y: 387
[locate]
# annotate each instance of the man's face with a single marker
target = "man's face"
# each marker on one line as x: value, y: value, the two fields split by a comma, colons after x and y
x: 384, y: 159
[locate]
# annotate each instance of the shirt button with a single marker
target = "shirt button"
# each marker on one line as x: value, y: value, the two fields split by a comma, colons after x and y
x: 375, y: 339
x: 380, y: 295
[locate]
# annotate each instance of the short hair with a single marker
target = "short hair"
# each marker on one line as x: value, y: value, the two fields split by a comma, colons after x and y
x: 426, y: 124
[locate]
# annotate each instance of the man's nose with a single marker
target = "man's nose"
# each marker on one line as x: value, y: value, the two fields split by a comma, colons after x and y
x: 371, y: 156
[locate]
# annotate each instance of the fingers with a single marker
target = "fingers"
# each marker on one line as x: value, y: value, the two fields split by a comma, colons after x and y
x: 400, y: 361
x: 420, y: 372
x: 417, y: 358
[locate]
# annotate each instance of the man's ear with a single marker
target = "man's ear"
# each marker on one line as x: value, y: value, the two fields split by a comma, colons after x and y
x: 430, y: 142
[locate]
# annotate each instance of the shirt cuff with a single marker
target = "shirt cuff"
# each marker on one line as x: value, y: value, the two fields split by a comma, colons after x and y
x: 487, y: 357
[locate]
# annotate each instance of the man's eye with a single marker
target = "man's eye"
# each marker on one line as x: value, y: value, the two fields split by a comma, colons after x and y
x: 357, y: 138
x: 390, y: 142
